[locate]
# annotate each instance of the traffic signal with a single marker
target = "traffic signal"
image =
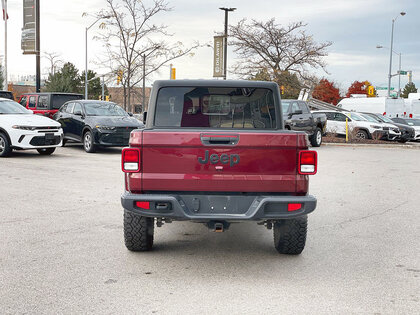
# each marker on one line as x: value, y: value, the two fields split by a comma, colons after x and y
x: 119, y: 76
x: 107, y: 98
x: 100, y: 97
x: 371, y: 91
x: 173, y: 73
x: 282, y: 89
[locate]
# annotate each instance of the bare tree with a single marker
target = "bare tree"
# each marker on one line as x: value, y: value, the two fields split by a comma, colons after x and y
x: 54, y: 61
x: 267, y: 46
x: 130, y: 39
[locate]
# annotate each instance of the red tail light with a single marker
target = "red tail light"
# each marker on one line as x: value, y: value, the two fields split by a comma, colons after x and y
x: 384, y: 114
x: 130, y: 160
x: 411, y: 115
x: 143, y: 204
x: 307, y: 162
x: 294, y: 206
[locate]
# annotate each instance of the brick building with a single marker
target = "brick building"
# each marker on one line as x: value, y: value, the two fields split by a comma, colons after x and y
x: 117, y: 96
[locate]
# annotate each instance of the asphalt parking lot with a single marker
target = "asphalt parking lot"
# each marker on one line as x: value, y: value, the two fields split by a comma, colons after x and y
x: 62, y: 249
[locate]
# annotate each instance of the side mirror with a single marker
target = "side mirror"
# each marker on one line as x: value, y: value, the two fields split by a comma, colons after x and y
x: 297, y: 112
x: 130, y: 114
x: 144, y: 117
x: 78, y: 113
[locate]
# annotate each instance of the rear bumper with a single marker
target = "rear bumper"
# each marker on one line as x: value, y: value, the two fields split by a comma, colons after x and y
x: 203, y: 208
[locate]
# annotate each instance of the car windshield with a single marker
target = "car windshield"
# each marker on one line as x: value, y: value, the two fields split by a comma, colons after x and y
x: 356, y: 117
x: 369, y: 118
x: 11, y: 107
x: 413, y: 122
x: 104, y: 109
x: 285, y: 106
x: 384, y: 118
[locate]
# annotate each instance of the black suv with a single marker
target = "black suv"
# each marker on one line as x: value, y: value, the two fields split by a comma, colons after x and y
x: 96, y: 123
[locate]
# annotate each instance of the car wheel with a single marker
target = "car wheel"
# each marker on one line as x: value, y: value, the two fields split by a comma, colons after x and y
x: 402, y: 140
x: 64, y: 142
x: 361, y: 134
x: 138, y: 232
x: 47, y: 151
x: 88, y: 144
x: 5, y: 148
x: 316, y: 138
x: 290, y: 235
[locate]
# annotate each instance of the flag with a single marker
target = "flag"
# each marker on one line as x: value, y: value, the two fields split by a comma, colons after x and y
x: 4, y: 4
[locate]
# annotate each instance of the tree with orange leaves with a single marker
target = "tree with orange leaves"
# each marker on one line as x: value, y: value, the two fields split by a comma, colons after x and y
x: 358, y: 87
x: 326, y: 91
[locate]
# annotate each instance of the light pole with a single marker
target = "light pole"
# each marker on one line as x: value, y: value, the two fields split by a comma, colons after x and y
x: 227, y: 10
x: 390, y: 53
x: 86, y: 53
x: 399, y: 71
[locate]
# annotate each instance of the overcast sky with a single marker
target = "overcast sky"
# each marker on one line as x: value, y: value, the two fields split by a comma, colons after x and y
x: 354, y: 26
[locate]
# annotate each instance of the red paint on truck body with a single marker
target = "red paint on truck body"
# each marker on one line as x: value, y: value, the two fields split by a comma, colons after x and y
x: 268, y: 162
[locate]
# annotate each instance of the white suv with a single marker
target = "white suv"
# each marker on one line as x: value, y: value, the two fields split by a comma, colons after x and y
x: 20, y: 129
x: 336, y: 123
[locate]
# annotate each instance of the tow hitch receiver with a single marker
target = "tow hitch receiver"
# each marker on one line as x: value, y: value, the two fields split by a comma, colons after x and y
x: 218, y: 226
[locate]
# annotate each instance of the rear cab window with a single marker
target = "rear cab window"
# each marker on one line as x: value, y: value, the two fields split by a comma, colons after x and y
x: 42, y: 102
x: 216, y: 108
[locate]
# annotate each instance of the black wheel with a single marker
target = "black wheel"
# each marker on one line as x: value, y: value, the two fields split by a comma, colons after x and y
x: 5, y: 148
x: 88, y: 143
x: 47, y: 151
x: 290, y: 235
x: 63, y: 144
x: 402, y: 140
x: 138, y: 232
x: 316, y: 138
x: 361, y: 134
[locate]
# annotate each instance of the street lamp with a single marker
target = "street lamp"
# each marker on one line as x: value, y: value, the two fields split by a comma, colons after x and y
x: 399, y: 69
x: 227, y: 10
x: 86, y: 53
x: 390, y: 53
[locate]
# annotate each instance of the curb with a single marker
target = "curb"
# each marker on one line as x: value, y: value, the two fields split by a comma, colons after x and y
x: 373, y: 145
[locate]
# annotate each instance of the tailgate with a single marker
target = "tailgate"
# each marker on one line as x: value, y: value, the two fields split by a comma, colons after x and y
x: 254, y: 161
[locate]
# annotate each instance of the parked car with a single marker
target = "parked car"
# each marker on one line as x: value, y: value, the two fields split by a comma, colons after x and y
x: 20, y: 129
x: 394, y: 132
x: 47, y: 104
x: 297, y: 116
x: 7, y: 94
x: 412, y: 122
x: 390, y: 107
x: 96, y: 123
x: 336, y: 124
x: 406, y: 131
x: 214, y: 153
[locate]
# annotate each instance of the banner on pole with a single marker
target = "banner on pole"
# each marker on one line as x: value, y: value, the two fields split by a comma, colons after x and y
x: 218, y: 60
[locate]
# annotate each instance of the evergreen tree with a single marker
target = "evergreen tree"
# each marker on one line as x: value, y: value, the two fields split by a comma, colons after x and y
x: 409, y: 88
x: 95, y: 85
x: 67, y: 79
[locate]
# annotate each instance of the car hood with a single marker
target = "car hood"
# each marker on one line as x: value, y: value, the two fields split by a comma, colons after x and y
x: 31, y: 120
x: 115, y: 121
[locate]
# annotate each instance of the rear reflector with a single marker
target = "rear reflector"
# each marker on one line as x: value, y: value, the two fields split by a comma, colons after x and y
x: 130, y: 160
x: 294, y: 206
x: 307, y: 162
x: 143, y: 205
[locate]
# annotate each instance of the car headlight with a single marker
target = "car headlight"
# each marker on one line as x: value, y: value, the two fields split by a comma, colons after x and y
x: 105, y: 128
x: 23, y: 127
x: 375, y: 127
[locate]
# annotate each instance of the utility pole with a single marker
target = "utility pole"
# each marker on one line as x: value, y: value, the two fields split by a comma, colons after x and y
x: 227, y: 10
x: 399, y: 77
x: 390, y: 54
x: 144, y: 84
x: 103, y: 88
x: 38, y: 49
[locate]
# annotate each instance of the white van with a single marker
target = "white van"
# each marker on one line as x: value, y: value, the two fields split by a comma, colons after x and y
x: 412, y: 108
x: 390, y: 107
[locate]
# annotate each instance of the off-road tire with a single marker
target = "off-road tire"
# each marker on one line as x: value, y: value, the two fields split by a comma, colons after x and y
x: 138, y: 232
x: 47, y: 151
x: 88, y: 143
x: 290, y: 235
x: 5, y: 148
x: 316, y: 138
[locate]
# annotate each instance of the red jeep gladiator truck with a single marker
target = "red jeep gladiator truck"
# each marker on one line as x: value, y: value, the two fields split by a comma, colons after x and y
x: 216, y: 152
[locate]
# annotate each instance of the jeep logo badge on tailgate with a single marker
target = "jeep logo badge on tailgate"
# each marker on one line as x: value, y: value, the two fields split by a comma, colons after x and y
x: 224, y: 158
